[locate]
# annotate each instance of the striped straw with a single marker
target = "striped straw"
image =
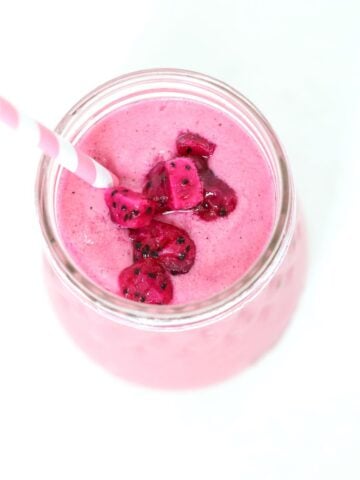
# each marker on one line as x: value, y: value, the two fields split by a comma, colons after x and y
x: 56, y: 147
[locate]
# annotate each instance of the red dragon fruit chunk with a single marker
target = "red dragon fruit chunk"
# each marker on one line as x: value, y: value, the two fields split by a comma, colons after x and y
x: 219, y: 198
x: 129, y: 209
x: 188, y: 143
x: 156, y: 186
x: 146, y: 281
x: 185, y: 188
x: 171, y: 245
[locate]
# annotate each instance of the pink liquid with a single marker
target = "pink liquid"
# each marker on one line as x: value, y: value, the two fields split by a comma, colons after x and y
x: 128, y: 141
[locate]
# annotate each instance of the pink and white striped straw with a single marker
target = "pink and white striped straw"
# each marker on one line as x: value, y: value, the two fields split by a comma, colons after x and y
x: 56, y: 147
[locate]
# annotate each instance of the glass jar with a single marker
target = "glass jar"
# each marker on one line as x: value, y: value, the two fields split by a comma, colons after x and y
x: 177, y: 346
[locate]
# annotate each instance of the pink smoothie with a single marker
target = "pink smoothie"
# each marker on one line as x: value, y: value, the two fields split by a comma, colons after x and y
x: 128, y: 142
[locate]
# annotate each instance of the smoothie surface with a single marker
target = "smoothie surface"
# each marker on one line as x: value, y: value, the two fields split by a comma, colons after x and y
x: 128, y: 141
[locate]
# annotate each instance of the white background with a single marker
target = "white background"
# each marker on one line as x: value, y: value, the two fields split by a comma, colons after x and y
x: 296, y: 415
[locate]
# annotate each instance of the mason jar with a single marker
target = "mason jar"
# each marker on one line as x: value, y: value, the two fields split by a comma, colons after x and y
x: 185, y: 345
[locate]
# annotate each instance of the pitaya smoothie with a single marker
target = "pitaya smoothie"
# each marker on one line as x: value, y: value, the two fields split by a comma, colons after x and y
x: 127, y: 124
x: 129, y: 141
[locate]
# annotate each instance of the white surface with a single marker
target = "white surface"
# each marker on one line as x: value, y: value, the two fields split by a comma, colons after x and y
x: 296, y: 415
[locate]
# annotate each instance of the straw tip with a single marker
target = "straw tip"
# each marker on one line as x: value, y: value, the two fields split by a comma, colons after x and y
x: 115, y: 182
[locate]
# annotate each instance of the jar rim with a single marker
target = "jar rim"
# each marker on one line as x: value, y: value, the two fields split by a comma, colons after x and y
x: 182, y: 316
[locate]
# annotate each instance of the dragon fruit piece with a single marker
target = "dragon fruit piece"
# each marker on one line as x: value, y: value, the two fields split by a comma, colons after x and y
x: 185, y: 187
x: 129, y: 209
x: 146, y: 281
x: 156, y: 186
x: 174, y: 185
x: 219, y: 198
x: 188, y: 143
x: 201, y: 163
x: 170, y: 245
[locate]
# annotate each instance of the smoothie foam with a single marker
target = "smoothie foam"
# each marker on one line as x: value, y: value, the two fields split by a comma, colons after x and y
x: 128, y: 141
